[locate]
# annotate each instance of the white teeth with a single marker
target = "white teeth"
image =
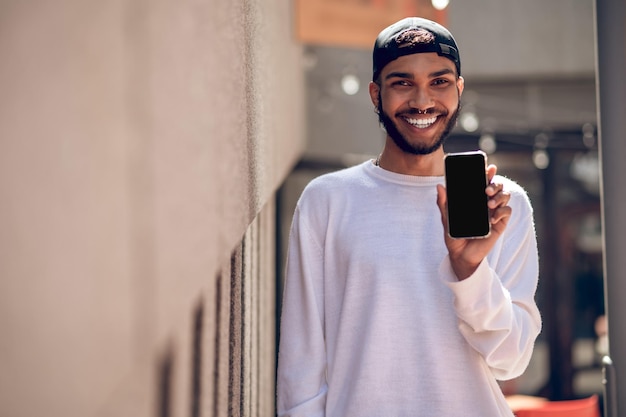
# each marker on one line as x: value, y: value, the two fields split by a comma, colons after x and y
x: 422, y: 123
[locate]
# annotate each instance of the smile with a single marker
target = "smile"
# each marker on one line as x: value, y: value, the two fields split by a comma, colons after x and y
x: 421, y: 123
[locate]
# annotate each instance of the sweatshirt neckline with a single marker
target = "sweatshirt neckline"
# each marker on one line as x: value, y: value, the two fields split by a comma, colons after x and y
x: 394, y: 177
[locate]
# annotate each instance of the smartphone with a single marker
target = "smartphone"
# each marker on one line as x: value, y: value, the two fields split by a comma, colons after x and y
x: 466, y: 181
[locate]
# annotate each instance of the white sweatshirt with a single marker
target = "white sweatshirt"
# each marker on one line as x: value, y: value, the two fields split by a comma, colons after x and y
x: 374, y: 321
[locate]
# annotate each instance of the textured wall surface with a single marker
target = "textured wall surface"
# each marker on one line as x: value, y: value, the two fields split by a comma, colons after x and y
x: 141, y: 143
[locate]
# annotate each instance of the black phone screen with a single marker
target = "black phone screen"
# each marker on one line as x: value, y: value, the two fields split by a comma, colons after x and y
x: 466, y: 180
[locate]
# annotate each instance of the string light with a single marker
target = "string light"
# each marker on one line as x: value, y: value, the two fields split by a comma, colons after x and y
x: 487, y: 143
x: 589, y: 137
x: 350, y: 84
x: 440, y: 4
x: 469, y: 121
x: 541, y: 159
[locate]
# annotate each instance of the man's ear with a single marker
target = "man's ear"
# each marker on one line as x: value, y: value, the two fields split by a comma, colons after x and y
x: 374, y: 90
x: 460, y: 85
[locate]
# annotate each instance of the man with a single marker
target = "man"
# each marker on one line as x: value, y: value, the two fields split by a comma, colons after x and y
x: 383, y: 313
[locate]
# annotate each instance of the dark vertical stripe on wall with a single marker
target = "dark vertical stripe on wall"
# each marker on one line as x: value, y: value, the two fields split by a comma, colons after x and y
x: 263, y: 230
x: 255, y: 318
x: 234, y: 382
x: 242, y: 329
x: 165, y: 372
x: 251, y: 300
x: 253, y: 344
x: 216, y: 346
x: 196, y: 360
x: 280, y: 248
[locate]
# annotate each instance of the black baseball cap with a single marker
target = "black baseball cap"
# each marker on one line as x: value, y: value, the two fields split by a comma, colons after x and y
x: 391, y: 44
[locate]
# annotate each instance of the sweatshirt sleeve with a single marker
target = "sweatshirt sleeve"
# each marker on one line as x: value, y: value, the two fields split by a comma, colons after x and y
x: 496, y: 305
x: 301, y: 377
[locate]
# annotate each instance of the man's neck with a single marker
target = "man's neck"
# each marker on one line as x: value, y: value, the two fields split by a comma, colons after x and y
x: 400, y: 162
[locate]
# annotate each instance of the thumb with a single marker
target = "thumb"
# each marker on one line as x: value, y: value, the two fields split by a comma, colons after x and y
x: 491, y: 172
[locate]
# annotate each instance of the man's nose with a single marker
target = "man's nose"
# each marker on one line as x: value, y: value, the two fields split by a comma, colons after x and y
x: 421, y: 99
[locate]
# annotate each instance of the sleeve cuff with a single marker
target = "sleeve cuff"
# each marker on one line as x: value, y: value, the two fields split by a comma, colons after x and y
x: 470, y: 289
x: 481, y: 290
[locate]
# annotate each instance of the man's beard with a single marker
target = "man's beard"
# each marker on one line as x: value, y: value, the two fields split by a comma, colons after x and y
x: 401, y: 141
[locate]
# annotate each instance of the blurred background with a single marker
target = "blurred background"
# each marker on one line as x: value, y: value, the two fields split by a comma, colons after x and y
x: 151, y: 154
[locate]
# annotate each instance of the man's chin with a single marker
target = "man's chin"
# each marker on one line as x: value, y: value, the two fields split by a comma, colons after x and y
x: 416, y: 149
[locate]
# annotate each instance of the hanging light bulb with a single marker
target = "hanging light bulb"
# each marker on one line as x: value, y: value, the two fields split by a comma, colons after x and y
x: 350, y: 84
x: 487, y: 143
x: 440, y: 4
x: 541, y: 159
x: 589, y: 137
x: 469, y: 121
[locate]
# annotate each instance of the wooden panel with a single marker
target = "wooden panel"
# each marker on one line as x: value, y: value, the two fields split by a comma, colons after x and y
x: 355, y: 23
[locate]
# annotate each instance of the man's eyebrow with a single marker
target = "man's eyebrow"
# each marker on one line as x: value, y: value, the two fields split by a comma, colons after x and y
x: 408, y: 75
x: 439, y: 73
x: 399, y: 74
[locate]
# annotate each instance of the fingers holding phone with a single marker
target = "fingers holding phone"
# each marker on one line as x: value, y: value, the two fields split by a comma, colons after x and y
x: 474, y: 210
x: 498, y: 206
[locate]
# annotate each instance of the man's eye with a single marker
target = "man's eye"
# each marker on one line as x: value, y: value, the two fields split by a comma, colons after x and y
x: 401, y: 83
x: 440, y: 81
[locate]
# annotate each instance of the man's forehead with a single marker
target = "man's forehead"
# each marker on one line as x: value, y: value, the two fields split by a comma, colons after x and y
x: 420, y: 63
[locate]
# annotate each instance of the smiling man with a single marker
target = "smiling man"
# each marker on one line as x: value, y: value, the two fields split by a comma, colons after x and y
x: 428, y: 99
x: 383, y: 313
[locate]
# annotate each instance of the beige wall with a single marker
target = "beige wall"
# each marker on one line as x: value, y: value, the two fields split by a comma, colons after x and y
x: 141, y: 143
